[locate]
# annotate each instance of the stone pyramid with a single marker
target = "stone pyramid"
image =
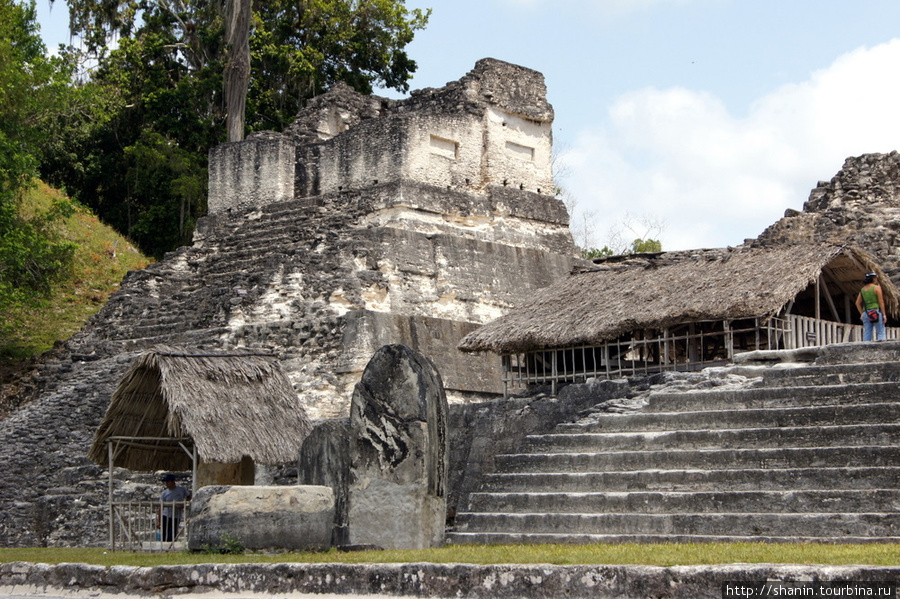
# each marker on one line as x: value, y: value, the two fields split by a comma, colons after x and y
x: 369, y: 221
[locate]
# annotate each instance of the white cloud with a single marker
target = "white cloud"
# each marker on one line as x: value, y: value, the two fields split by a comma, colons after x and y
x: 715, y: 178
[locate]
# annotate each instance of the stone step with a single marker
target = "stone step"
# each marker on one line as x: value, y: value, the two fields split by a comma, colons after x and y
x: 790, y: 501
x: 775, y: 397
x: 697, y: 480
x: 199, y: 338
x: 876, y: 524
x: 727, y: 419
x: 293, y: 226
x: 835, y: 374
x: 835, y: 354
x: 520, y: 538
x: 745, y: 438
x: 242, y: 265
x: 812, y: 456
x: 803, y: 457
x: 251, y: 242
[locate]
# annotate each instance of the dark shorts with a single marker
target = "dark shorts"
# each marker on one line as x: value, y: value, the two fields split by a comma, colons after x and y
x: 169, y: 528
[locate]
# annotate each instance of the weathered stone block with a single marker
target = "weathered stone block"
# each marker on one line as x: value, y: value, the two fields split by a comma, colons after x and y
x: 398, y: 453
x: 365, y: 331
x: 254, y: 172
x: 298, y: 517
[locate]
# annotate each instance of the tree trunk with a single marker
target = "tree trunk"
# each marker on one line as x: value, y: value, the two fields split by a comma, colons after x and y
x: 237, y: 70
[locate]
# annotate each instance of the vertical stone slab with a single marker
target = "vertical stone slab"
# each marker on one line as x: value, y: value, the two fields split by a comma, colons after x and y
x: 398, y: 453
x: 325, y: 460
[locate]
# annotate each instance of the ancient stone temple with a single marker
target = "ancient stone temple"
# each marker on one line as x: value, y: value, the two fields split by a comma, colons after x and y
x: 369, y: 221
x: 419, y: 219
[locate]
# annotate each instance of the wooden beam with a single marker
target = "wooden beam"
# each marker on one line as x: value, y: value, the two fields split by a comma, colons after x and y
x: 790, y: 306
x: 824, y: 287
x: 112, y: 522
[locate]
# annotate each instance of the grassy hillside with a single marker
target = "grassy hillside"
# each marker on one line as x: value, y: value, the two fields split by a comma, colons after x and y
x: 101, y: 260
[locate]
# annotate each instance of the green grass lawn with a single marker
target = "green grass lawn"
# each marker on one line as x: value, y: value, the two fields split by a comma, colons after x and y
x: 656, y: 555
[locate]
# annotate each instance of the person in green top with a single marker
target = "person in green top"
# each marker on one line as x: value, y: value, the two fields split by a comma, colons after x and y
x: 871, y: 298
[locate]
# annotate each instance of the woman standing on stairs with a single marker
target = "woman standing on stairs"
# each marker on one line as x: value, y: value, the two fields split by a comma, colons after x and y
x: 870, y: 303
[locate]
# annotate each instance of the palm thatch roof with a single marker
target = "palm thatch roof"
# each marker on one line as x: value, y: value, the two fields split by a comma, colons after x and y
x: 229, y: 404
x: 654, y: 291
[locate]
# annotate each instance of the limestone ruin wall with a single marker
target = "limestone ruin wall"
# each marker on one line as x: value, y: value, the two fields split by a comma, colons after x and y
x: 369, y: 221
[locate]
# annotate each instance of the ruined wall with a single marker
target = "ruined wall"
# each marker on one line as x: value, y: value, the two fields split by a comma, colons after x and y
x: 860, y: 204
x: 492, y: 127
x: 257, y: 171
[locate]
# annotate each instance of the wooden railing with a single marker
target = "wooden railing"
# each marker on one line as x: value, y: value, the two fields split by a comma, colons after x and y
x: 136, y: 526
x: 698, y: 349
x: 809, y: 332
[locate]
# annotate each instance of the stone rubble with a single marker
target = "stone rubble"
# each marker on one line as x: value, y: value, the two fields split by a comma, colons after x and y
x: 860, y: 204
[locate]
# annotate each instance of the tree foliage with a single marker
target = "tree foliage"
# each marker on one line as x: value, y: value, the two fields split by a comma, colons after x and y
x: 644, y: 228
x: 35, y: 94
x: 140, y: 160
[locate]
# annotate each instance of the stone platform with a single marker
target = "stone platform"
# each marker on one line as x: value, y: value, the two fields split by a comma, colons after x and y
x: 501, y: 581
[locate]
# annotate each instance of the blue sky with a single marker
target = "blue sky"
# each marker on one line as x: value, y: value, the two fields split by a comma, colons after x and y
x: 710, y: 117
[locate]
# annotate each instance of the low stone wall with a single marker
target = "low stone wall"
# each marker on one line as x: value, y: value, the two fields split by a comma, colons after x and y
x: 420, y: 580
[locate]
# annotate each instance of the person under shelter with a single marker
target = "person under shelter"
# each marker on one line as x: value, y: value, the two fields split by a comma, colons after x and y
x: 870, y: 303
x: 171, y: 509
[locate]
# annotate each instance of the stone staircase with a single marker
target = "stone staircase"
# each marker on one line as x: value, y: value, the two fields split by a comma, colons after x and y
x: 809, y: 453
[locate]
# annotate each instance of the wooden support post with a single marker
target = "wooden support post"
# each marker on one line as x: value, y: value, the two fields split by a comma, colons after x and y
x: 756, y: 332
x: 665, y: 361
x: 818, y: 301
x: 692, y: 343
x: 729, y: 340
x: 553, y: 382
x: 606, y: 354
x: 110, y: 457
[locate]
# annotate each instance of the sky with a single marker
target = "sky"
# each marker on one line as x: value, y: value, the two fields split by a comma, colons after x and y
x: 695, y: 122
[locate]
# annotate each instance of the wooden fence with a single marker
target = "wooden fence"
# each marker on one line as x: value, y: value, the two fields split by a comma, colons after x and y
x: 136, y: 526
x: 692, y: 346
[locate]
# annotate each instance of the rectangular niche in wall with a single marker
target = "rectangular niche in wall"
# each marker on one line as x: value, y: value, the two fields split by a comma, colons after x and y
x: 443, y: 147
x: 520, y: 151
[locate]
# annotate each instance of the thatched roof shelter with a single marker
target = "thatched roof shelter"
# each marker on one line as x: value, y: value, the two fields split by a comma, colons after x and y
x: 229, y: 405
x: 654, y: 291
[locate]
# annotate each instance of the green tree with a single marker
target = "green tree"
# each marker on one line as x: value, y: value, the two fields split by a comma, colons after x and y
x: 644, y: 243
x: 644, y: 246
x: 592, y: 253
x: 164, y: 81
x: 35, y: 93
x: 237, y: 67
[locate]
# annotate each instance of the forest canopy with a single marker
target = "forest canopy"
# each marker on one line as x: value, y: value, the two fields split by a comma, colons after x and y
x: 155, y: 69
